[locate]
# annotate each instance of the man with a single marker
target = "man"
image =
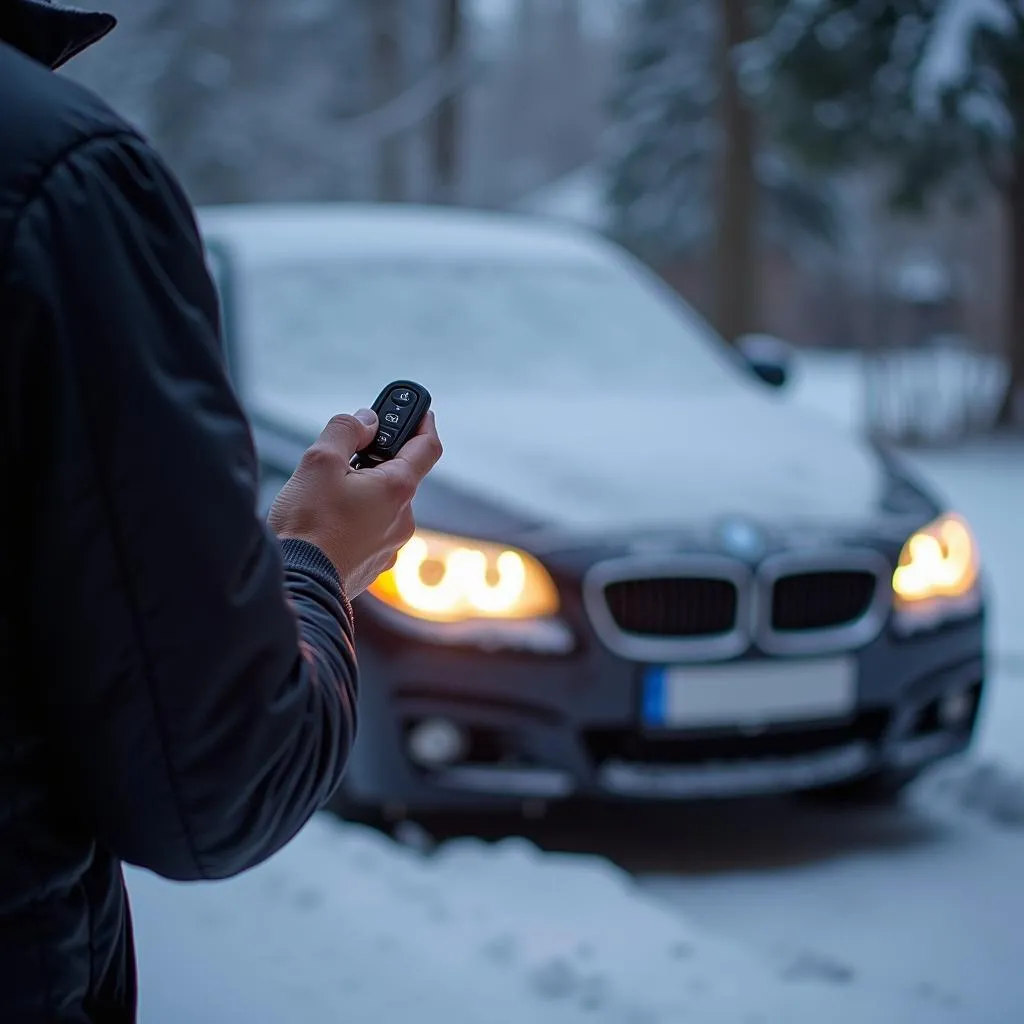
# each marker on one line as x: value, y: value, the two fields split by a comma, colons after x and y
x: 177, y: 684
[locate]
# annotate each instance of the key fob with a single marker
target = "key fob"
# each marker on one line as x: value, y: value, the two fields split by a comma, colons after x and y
x: 400, y: 409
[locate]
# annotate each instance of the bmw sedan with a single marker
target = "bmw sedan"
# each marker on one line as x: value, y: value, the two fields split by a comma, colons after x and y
x: 640, y: 572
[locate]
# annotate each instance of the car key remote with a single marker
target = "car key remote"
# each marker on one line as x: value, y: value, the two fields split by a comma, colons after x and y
x: 400, y: 409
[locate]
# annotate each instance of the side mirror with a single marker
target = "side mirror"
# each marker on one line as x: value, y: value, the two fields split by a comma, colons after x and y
x: 769, y: 357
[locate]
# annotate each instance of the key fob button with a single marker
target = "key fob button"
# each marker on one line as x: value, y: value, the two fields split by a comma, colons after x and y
x: 400, y: 408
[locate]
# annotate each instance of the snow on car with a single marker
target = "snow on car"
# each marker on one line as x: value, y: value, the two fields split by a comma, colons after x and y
x: 640, y: 572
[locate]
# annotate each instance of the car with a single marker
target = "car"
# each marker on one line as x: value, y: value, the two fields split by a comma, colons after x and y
x: 641, y: 571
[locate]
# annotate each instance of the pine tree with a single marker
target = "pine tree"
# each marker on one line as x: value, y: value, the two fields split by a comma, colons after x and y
x: 932, y: 89
x: 692, y: 158
x: 664, y: 138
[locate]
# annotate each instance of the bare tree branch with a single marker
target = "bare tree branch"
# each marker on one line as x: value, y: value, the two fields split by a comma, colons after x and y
x: 413, y: 106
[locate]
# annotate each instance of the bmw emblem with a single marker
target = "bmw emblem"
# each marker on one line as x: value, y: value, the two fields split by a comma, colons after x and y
x: 740, y: 538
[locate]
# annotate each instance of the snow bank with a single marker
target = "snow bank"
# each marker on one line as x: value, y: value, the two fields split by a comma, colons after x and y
x: 927, y: 394
x: 345, y: 925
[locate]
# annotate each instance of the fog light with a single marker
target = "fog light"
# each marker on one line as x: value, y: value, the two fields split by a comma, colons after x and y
x: 955, y: 708
x: 437, y: 742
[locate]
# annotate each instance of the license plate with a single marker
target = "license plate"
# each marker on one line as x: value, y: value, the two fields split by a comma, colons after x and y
x: 749, y: 693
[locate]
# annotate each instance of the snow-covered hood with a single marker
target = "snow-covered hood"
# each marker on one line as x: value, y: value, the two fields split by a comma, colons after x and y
x: 584, y: 463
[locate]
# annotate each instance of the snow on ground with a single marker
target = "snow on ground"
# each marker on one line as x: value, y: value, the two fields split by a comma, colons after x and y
x: 935, y: 909
x: 347, y: 926
x: 927, y: 391
x: 755, y: 911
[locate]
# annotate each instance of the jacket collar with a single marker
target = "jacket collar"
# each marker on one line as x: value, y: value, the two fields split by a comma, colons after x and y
x: 49, y: 31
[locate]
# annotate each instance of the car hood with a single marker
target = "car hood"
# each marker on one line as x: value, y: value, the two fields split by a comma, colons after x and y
x: 580, y: 463
x: 616, y: 462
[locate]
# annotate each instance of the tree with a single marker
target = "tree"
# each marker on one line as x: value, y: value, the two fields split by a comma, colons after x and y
x: 692, y: 158
x: 932, y: 89
x: 388, y: 71
x: 663, y: 140
x: 735, y: 270
x: 447, y: 122
x: 545, y: 109
x: 247, y: 99
x: 253, y: 100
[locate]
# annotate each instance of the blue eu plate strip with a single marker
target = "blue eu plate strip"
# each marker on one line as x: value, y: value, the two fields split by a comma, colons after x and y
x: 653, y: 699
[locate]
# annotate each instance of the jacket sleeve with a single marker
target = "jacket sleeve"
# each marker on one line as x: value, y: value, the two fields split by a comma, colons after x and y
x: 198, y: 679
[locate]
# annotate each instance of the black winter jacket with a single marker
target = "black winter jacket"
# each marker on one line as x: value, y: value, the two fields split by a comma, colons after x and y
x: 177, y: 690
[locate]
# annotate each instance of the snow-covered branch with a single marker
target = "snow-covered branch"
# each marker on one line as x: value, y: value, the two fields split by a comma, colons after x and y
x: 946, y: 61
x: 411, y: 107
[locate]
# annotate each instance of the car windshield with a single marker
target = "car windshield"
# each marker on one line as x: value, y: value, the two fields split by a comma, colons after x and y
x: 323, y: 335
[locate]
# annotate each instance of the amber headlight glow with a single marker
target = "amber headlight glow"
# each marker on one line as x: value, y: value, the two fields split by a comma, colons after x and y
x: 442, y: 578
x: 938, y: 569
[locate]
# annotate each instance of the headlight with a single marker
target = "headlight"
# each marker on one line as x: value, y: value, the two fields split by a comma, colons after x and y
x: 938, y: 571
x: 445, y: 579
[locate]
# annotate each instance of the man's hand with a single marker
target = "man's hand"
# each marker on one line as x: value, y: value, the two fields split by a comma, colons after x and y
x: 358, y: 518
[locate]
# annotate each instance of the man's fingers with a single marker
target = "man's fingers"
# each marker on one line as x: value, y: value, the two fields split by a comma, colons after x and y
x: 427, y: 424
x: 421, y: 452
x: 349, y: 434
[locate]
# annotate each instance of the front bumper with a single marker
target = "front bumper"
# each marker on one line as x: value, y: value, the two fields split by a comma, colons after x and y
x: 556, y: 727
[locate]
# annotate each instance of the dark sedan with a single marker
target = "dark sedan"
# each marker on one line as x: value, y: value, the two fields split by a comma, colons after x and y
x: 640, y: 571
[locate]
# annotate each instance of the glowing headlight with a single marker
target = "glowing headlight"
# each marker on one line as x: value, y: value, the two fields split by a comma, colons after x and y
x: 938, y: 569
x: 442, y: 578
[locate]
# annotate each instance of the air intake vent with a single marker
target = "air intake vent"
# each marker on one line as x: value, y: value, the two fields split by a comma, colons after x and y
x: 673, y: 606
x: 821, y: 600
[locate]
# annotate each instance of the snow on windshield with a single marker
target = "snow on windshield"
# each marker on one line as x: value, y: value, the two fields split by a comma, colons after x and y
x: 322, y: 335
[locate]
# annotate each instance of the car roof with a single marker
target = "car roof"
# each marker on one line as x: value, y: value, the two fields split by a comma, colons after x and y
x: 262, y: 232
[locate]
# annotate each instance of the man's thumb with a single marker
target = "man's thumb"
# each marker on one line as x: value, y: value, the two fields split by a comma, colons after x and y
x: 351, y: 434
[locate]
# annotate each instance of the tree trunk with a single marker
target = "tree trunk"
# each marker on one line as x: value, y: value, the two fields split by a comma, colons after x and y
x: 447, y: 122
x: 528, y: 29
x: 387, y: 83
x: 736, y: 308
x: 572, y: 145
x: 1011, y: 412
x: 528, y: 111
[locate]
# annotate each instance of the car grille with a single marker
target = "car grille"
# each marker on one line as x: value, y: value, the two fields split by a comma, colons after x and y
x: 821, y: 600
x: 673, y: 606
x: 699, y: 608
